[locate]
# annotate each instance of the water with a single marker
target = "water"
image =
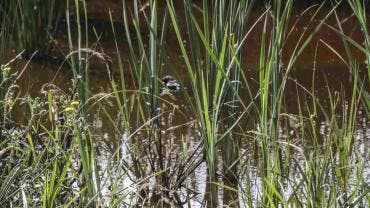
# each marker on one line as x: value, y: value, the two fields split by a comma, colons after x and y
x: 331, y: 73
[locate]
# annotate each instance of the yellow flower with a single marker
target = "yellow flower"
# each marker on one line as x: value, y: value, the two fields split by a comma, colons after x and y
x: 6, y: 70
x: 74, y: 103
x: 69, y: 109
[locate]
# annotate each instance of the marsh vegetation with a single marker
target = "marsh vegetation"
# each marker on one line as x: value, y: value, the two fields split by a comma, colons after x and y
x: 150, y: 103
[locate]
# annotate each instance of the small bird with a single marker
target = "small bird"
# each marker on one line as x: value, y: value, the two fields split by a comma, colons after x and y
x: 171, y: 84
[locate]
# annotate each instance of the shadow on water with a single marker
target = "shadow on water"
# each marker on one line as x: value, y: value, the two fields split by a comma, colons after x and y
x: 330, y: 76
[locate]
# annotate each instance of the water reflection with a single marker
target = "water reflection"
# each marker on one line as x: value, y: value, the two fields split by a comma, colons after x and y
x: 178, y: 128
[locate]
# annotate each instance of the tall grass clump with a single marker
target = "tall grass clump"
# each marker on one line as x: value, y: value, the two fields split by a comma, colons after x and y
x: 213, y: 69
x: 360, y: 10
x: 36, y: 22
x: 27, y: 154
x: 55, y: 157
x: 144, y: 62
x: 349, y: 160
x: 273, y: 76
x: 79, y: 50
x: 5, y: 38
x: 270, y: 98
x: 326, y: 170
x: 213, y: 60
x: 7, y: 21
x: 147, y: 55
x: 78, y: 57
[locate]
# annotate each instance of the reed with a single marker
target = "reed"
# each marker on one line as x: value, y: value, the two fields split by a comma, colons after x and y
x: 328, y: 163
x: 52, y: 158
x: 213, y: 65
x: 147, y: 66
x: 7, y: 21
x: 273, y: 78
x: 6, y: 71
x: 35, y: 24
x: 359, y: 9
x: 78, y: 57
x: 271, y: 75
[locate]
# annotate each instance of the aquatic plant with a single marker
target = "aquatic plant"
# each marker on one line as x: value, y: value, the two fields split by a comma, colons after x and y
x: 35, y: 23
x: 359, y: 9
x: 6, y: 31
x: 213, y: 66
x: 271, y: 72
x: 255, y: 149
x: 273, y: 78
x: 78, y: 58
